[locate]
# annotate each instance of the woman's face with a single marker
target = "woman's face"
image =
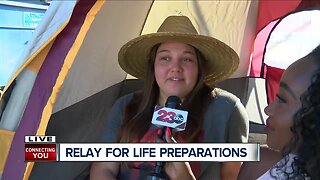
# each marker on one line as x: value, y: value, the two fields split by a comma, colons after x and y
x: 176, y: 70
x: 294, y: 82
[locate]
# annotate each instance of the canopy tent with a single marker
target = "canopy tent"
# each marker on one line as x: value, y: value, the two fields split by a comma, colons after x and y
x: 273, y: 53
x: 74, y: 76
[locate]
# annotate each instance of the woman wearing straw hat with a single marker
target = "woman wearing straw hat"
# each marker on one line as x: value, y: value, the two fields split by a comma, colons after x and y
x: 176, y: 61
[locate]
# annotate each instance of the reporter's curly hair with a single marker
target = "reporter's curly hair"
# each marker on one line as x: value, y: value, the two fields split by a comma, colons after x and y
x: 306, y: 131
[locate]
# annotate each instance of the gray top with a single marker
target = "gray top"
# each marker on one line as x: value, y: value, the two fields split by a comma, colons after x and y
x: 226, y: 120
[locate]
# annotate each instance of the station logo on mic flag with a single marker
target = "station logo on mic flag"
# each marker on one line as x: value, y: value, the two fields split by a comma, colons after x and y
x: 169, y: 117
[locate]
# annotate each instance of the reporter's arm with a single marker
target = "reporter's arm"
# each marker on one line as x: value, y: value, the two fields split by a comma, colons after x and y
x: 230, y: 170
x: 104, y: 170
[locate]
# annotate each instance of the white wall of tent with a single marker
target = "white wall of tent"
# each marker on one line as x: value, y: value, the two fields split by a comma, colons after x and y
x: 90, y: 79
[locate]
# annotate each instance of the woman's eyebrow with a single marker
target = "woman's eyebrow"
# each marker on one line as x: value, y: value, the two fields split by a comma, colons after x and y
x: 288, y: 89
x: 163, y: 50
x: 184, y: 52
x: 189, y: 52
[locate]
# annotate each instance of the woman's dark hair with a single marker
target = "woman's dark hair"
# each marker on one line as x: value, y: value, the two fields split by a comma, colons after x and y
x: 306, y: 130
x: 138, y: 113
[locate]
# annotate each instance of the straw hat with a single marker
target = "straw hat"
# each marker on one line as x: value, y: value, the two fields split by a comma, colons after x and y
x: 220, y: 60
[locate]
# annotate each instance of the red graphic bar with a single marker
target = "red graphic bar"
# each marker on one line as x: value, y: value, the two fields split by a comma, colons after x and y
x: 40, y: 152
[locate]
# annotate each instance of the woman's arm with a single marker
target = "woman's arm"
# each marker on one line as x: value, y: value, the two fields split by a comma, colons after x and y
x: 237, y: 132
x: 110, y: 170
x: 104, y: 170
x: 238, y: 125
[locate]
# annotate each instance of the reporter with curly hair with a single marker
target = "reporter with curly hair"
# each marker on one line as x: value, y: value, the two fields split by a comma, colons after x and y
x: 293, y: 126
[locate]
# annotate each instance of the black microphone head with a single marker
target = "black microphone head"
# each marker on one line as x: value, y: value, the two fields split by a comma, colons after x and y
x: 173, y: 102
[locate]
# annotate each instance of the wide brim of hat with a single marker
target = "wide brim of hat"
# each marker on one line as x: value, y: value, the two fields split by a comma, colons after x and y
x: 221, y: 60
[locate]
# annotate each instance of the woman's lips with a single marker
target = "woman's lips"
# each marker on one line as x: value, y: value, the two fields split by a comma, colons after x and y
x: 176, y: 79
x: 268, y: 129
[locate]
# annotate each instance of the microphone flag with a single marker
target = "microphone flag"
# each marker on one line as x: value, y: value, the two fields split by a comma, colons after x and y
x: 169, y: 116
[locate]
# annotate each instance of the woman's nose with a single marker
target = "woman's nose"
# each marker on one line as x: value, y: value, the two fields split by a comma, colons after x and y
x: 176, y: 66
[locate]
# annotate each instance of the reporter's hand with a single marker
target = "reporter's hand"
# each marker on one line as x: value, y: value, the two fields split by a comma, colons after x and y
x: 177, y: 170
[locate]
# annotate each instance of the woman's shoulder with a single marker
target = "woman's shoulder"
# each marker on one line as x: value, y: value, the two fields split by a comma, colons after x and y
x: 223, y: 99
x: 126, y: 97
x: 123, y: 100
x: 218, y: 93
x: 267, y: 154
x: 253, y: 170
x: 222, y: 102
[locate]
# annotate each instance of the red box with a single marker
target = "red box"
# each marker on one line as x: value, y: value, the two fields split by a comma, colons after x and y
x: 40, y: 152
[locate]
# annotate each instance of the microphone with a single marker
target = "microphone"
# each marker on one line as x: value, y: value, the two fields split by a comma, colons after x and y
x: 168, y: 116
x: 173, y: 102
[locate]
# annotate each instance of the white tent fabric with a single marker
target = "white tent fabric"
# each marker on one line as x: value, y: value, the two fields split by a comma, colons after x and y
x: 298, y: 33
x: 96, y: 67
